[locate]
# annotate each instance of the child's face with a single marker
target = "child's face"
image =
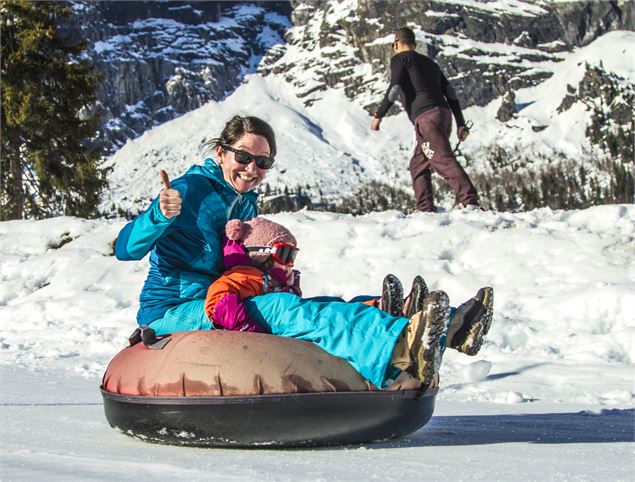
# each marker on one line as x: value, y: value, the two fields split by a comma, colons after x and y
x: 288, y: 270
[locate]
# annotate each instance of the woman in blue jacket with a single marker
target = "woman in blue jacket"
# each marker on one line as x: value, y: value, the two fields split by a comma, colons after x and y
x: 183, y: 231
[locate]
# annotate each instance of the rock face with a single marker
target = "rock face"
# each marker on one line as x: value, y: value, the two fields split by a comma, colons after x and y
x: 465, y: 40
x: 508, y: 107
x: 159, y: 60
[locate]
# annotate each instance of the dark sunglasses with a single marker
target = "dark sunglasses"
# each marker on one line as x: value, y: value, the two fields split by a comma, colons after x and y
x: 242, y: 157
x: 283, y: 253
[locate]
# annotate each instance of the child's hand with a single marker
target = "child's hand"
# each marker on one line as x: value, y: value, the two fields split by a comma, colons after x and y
x: 294, y: 284
x: 230, y: 313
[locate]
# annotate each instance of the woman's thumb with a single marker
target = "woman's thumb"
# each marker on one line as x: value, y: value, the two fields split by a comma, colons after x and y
x: 165, y: 180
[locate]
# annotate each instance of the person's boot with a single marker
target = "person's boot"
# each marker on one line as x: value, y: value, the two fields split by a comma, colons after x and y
x: 471, y: 322
x: 424, y: 333
x: 418, y: 293
x: 392, y: 295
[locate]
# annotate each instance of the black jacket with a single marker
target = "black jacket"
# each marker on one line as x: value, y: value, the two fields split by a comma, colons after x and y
x: 419, y: 82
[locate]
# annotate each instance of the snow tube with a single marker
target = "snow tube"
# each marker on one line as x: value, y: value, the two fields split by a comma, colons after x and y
x: 231, y: 389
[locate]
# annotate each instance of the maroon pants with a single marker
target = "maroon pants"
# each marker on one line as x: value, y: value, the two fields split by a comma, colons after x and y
x: 433, y: 150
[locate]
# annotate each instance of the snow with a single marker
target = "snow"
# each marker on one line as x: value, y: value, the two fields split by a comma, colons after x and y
x: 67, y: 438
x: 550, y: 395
x: 501, y: 7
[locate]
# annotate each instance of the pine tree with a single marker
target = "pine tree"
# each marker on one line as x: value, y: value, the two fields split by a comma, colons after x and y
x: 48, y: 165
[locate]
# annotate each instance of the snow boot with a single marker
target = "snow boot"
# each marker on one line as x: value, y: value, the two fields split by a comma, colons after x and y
x: 471, y: 322
x: 392, y: 295
x: 424, y: 334
x: 418, y: 293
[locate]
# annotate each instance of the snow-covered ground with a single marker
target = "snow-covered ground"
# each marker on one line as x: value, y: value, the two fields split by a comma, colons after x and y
x: 550, y: 396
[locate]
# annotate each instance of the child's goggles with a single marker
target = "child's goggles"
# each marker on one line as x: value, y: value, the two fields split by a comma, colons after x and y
x: 283, y: 253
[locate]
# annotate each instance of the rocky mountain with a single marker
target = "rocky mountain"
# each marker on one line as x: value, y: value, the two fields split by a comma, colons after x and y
x: 490, y: 51
x: 467, y: 38
x: 160, y: 60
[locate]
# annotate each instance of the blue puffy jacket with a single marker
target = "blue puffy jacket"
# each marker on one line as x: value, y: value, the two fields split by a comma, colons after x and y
x: 186, y: 250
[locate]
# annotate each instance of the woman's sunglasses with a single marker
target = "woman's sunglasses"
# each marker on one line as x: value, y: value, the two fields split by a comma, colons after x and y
x: 283, y: 253
x: 242, y: 157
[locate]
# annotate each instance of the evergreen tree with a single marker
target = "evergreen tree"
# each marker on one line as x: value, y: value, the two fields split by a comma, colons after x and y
x: 48, y: 165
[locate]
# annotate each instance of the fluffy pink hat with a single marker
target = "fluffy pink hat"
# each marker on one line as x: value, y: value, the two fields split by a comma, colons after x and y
x: 258, y: 232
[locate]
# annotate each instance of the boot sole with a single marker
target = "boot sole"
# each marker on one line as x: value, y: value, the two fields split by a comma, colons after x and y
x: 418, y: 294
x: 480, y: 327
x: 426, y: 349
x: 392, y: 295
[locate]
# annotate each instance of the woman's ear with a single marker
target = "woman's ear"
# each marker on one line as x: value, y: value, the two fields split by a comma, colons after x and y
x: 219, y: 153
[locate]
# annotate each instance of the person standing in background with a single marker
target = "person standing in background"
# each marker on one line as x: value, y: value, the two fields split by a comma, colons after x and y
x: 429, y: 101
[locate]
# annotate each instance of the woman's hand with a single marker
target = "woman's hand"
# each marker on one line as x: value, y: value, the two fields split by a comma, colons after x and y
x: 169, y: 199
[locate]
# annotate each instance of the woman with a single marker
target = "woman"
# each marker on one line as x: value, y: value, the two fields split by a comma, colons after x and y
x: 184, y: 226
x: 183, y: 229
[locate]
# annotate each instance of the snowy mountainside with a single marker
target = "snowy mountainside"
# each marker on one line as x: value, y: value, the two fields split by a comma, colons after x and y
x: 327, y: 152
x: 486, y: 48
x: 161, y: 64
x: 158, y: 60
x: 491, y: 51
x: 591, y: 90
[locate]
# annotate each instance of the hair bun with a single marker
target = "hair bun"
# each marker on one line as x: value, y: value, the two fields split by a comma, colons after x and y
x: 235, y: 229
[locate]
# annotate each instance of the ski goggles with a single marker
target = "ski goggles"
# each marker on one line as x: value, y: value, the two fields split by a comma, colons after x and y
x: 283, y: 253
x: 245, y: 158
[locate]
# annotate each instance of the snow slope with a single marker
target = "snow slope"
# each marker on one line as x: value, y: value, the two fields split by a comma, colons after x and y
x: 550, y: 396
x: 328, y: 148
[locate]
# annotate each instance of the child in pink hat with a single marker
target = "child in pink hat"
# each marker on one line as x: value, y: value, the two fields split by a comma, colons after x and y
x: 258, y: 256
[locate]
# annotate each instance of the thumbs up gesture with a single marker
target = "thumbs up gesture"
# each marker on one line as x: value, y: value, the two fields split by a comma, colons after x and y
x: 169, y: 199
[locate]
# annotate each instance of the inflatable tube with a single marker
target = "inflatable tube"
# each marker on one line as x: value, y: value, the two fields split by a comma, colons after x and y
x: 230, y: 389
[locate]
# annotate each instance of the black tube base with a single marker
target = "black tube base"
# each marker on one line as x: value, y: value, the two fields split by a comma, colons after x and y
x: 288, y: 420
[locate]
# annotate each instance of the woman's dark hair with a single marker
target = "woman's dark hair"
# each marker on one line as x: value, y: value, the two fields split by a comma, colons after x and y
x: 238, y: 126
x: 405, y: 36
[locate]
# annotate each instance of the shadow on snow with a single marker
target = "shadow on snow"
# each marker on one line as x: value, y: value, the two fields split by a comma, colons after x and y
x: 607, y: 426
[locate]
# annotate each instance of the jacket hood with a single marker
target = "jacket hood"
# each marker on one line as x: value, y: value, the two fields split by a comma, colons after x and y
x: 212, y: 171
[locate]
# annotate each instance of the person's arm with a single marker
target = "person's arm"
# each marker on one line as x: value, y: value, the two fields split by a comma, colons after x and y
x: 138, y: 237
x: 453, y: 100
x: 397, y: 71
x: 224, y: 306
x: 231, y: 314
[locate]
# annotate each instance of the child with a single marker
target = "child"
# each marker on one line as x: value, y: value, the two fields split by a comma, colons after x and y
x: 258, y: 255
